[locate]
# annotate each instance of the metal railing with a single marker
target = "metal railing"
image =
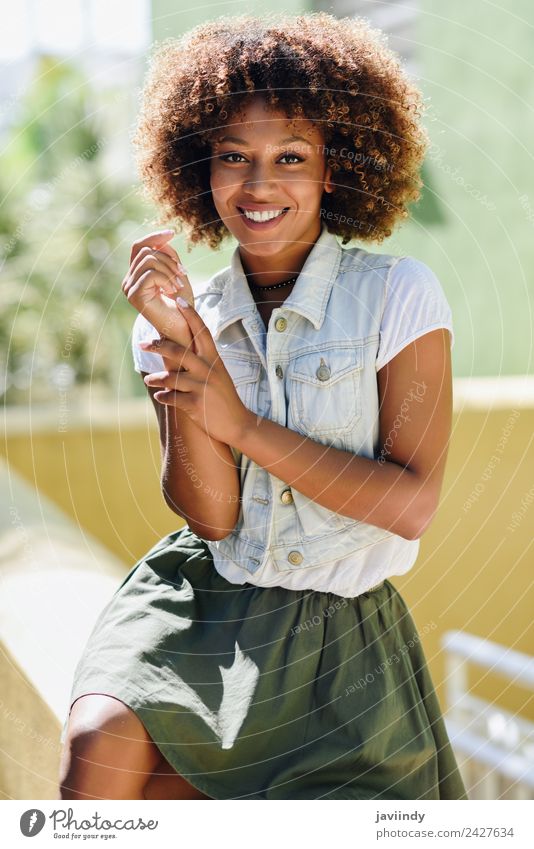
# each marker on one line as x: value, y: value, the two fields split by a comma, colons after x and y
x: 494, y: 748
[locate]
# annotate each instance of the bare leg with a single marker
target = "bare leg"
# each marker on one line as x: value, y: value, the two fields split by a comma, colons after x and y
x: 108, y: 753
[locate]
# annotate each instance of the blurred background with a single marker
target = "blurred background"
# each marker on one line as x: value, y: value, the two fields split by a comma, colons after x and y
x: 80, y: 459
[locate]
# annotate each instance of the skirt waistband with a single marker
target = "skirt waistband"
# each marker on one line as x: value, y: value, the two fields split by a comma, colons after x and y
x: 376, y: 587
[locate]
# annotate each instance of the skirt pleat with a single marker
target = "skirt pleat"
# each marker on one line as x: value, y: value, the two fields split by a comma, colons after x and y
x: 269, y: 693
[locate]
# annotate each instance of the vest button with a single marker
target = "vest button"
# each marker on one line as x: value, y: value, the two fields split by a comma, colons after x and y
x: 295, y: 557
x: 279, y: 371
x: 286, y: 497
x: 323, y: 372
x: 281, y: 324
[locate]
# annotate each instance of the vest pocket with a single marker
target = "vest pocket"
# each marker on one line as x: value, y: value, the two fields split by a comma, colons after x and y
x: 245, y: 375
x: 325, y: 393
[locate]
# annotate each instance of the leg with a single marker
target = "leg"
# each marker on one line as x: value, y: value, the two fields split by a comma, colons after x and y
x: 108, y: 754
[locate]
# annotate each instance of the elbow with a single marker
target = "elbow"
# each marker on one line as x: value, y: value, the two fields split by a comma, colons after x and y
x: 212, y: 532
x: 209, y: 534
x: 220, y: 526
x: 420, y: 521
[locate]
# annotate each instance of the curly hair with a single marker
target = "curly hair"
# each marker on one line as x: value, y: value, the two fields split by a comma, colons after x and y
x: 337, y: 73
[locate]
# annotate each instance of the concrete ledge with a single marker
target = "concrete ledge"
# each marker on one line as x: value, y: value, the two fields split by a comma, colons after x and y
x: 55, y: 580
x: 79, y: 411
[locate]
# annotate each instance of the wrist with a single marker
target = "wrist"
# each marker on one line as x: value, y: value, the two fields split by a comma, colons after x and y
x: 246, y: 424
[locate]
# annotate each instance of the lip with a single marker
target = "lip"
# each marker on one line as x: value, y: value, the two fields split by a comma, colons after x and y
x: 261, y: 225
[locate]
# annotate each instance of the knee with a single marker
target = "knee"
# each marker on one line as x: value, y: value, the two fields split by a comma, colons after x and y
x: 105, y: 745
x: 80, y: 754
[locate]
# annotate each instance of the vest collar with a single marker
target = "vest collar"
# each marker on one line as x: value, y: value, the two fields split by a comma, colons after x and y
x: 309, y: 296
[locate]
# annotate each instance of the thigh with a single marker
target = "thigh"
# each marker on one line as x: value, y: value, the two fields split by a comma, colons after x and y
x: 108, y: 753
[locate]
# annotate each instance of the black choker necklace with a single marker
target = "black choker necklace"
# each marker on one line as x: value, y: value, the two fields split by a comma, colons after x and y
x: 276, y: 285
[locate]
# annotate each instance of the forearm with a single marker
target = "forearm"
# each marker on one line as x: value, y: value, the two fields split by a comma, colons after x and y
x: 383, y: 494
x: 199, y: 477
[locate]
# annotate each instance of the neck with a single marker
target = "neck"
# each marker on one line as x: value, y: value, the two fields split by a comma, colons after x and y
x: 285, y: 264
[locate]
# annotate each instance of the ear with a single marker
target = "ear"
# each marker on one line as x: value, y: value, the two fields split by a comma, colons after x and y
x: 328, y: 184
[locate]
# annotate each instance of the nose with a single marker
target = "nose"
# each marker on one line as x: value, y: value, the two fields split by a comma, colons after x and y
x: 259, y: 182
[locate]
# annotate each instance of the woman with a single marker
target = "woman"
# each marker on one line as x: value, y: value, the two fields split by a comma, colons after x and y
x: 304, y: 403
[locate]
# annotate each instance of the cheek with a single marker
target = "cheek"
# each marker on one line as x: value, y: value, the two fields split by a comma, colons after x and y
x: 309, y: 188
x: 218, y: 185
x: 216, y: 193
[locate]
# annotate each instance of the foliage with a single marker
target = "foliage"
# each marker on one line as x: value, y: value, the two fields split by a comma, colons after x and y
x: 66, y: 226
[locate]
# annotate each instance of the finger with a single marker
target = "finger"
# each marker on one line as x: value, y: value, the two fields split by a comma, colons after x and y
x: 157, y: 239
x: 179, y: 381
x: 148, y: 258
x: 178, y: 354
x: 201, y: 335
x: 163, y: 259
x: 154, y: 277
x: 181, y: 400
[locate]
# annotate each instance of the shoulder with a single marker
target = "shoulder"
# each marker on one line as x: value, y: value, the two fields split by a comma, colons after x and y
x: 209, y: 292
x: 396, y: 271
x: 414, y: 304
x: 411, y: 276
x: 414, y: 295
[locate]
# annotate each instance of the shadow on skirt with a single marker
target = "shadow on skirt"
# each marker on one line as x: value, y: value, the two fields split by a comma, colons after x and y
x: 270, y: 693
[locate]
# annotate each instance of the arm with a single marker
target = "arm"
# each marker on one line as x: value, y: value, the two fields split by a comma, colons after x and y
x: 400, y: 494
x: 199, y: 479
x: 399, y: 491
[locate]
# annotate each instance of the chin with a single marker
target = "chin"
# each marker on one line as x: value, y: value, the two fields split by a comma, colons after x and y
x: 261, y: 246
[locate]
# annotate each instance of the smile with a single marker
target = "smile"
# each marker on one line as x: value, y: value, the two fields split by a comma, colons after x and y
x: 261, y: 219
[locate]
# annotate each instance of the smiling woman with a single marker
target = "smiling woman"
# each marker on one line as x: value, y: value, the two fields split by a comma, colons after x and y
x: 227, y: 643
x: 350, y: 88
x: 268, y: 191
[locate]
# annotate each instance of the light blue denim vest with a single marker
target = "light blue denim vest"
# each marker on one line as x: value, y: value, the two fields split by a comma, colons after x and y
x: 314, y: 371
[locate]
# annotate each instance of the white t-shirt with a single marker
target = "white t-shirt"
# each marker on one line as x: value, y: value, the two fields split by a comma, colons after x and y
x: 414, y: 305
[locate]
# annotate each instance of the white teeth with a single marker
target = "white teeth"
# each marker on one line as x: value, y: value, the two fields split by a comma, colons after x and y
x: 262, y: 216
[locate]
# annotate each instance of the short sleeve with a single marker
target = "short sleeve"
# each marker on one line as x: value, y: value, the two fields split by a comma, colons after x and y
x: 145, y: 361
x: 415, y: 303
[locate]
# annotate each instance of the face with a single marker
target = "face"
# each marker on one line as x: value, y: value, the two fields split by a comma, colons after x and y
x: 273, y: 165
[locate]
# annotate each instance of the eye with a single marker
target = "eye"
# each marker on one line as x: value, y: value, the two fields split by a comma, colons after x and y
x: 225, y: 156
x: 292, y: 156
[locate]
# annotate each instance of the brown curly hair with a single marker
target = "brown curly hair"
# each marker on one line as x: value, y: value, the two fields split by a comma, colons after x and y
x: 336, y: 72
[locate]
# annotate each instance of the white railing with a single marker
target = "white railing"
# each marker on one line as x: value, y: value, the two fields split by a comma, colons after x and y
x: 494, y: 748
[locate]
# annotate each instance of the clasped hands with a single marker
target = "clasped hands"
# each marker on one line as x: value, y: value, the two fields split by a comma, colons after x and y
x: 197, y: 382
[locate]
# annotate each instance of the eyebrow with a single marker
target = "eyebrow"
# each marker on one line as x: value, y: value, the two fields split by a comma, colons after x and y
x: 236, y: 140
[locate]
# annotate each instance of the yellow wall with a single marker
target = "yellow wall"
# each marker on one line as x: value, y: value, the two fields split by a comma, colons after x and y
x: 475, y: 563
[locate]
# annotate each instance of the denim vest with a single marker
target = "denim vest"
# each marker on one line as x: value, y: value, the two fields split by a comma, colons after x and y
x: 313, y: 371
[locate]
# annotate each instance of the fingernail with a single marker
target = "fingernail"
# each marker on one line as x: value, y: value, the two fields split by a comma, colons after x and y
x: 181, y: 301
x: 145, y: 344
x: 179, y: 283
x: 181, y: 268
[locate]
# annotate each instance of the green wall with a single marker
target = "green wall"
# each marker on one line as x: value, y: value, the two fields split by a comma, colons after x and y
x: 474, y: 225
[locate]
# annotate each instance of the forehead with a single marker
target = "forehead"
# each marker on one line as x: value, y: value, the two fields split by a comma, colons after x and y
x: 255, y: 122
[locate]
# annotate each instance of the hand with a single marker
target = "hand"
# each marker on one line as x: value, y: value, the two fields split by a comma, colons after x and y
x: 154, y: 279
x: 205, y: 391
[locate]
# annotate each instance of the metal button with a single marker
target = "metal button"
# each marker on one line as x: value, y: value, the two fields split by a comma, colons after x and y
x: 295, y: 557
x: 286, y: 497
x: 281, y: 323
x: 279, y: 371
x: 323, y: 372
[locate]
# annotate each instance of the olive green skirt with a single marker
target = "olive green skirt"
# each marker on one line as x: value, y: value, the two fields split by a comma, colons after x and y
x: 269, y: 693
